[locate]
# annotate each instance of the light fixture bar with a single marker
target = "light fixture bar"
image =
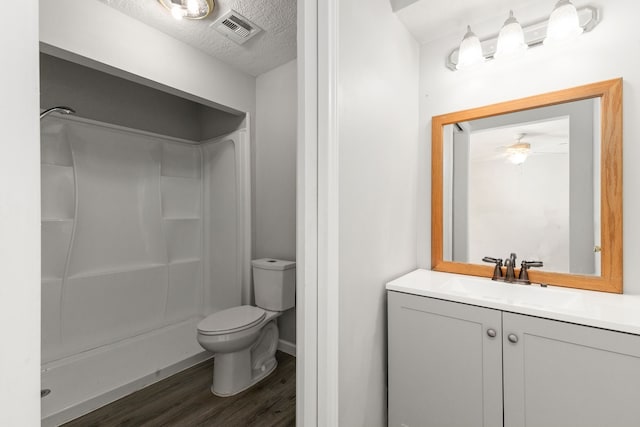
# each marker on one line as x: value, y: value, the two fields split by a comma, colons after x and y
x: 534, y: 35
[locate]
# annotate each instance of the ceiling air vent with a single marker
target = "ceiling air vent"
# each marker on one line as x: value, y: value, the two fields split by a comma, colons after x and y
x: 236, y: 27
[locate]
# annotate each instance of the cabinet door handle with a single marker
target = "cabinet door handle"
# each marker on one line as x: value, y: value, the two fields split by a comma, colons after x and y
x: 492, y: 333
x: 513, y: 338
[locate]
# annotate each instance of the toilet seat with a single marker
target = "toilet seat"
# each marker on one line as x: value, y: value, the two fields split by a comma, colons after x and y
x: 231, y: 320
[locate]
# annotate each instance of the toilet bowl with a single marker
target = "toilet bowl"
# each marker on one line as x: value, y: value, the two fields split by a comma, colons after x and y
x: 244, y: 339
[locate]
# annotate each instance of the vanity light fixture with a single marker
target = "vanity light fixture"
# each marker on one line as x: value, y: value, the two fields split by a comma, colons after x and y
x: 470, y: 51
x: 511, y: 39
x: 563, y: 23
x: 188, y: 9
x: 555, y: 28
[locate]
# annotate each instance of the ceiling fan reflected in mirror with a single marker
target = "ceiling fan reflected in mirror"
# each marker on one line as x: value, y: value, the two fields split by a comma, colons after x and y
x: 517, y: 153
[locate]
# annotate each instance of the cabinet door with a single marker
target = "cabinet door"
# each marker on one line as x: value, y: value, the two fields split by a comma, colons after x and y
x: 444, y: 368
x: 565, y: 375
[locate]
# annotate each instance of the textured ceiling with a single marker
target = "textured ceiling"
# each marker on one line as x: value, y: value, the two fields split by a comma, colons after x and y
x: 272, y: 47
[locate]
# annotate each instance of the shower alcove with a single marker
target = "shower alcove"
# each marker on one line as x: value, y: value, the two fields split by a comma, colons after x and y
x: 145, y: 230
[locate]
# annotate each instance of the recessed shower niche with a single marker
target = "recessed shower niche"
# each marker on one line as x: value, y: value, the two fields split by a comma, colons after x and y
x: 145, y: 228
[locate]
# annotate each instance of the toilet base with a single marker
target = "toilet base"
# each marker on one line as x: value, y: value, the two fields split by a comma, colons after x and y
x: 253, y: 382
x: 237, y: 371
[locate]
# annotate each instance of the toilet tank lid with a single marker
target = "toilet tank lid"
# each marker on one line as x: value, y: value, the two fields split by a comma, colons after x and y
x: 273, y: 264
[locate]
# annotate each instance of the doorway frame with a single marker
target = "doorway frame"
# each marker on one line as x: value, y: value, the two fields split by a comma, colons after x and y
x: 317, y: 216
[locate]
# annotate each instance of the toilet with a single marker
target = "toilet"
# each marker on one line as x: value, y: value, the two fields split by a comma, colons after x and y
x: 244, y: 339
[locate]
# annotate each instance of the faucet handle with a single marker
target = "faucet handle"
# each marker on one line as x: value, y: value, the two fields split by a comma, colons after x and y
x: 524, y: 274
x: 528, y: 264
x: 497, y: 271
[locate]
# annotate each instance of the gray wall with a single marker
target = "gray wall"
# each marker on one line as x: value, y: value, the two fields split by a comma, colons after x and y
x: 100, y: 96
x: 214, y: 123
x: 460, y: 209
x: 275, y: 173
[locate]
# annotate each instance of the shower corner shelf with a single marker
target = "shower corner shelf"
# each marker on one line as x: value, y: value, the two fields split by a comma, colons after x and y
x: 116, y: 270
x: 57, y: 165
x: 180, y: 178
x: 181, y: 218
x: 184, y: 261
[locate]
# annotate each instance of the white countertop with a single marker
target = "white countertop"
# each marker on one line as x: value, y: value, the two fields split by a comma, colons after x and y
x: 598, y: 309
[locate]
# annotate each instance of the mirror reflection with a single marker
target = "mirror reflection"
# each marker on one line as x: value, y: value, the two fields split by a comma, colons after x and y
x: 526, y: 182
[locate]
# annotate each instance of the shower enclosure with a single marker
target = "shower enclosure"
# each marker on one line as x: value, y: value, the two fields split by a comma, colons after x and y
x: 142, y: 235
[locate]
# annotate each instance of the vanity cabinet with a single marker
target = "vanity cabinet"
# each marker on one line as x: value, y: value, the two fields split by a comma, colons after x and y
x: 453, y: 364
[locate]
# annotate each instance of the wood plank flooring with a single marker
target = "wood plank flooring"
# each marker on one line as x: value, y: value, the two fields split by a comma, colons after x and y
x: 185, y: 400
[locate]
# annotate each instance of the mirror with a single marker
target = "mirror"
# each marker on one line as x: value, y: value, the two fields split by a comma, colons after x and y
x: 540, y: 177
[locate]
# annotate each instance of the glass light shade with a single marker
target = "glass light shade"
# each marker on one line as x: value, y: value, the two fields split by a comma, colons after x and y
x: 193, y: 6
x: 563, y: 23
x: 177, y: 12
x: 470, y: 51
x: 518, y: 153
x: 511, y: 39
x: 189, y: 9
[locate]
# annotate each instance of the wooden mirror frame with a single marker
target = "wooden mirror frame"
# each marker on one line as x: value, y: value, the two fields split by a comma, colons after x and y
x: 610, y: 94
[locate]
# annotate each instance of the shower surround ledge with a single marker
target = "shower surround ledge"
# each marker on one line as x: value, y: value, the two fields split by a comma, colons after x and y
x: 597, y: 309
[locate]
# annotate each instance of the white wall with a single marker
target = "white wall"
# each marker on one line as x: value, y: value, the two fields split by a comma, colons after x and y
x: 377, y: 157
x: 19, y: 221
x: 114, y: 42
x: 601, y: 54
x: 275, y: 172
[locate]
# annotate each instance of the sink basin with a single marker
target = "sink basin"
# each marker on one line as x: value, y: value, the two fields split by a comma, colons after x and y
x: 513, y: 294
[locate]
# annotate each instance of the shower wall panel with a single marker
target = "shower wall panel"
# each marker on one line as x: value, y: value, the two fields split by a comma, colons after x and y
x: 121, y: 234
x: 119, y: 223
x: 224, y: 226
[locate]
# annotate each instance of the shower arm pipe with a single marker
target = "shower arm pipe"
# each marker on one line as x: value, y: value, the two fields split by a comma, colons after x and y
x: 59, y: 109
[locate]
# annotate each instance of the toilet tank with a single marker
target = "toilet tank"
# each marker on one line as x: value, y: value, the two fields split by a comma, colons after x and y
x: 274, y: 283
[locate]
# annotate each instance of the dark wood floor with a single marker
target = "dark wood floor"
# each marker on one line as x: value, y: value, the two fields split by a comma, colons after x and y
x: 185, y: 400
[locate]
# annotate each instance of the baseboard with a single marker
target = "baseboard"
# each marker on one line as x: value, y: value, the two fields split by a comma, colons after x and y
x: 287, y: 347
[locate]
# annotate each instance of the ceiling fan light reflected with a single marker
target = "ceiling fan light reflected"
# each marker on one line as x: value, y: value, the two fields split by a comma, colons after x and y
x: 563, y: 23
x: 470, y: 52
x: 188, y: 9
x: 511, y: 39
x: 518, y: 153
